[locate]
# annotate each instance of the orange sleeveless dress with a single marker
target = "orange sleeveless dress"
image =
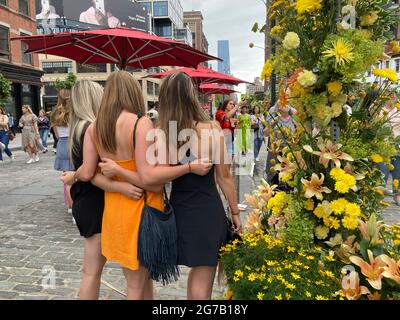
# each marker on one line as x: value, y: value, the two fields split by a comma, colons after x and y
x: 121, y: 221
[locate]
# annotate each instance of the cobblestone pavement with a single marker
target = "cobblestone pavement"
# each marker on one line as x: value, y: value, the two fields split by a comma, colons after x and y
x: 37, y: 237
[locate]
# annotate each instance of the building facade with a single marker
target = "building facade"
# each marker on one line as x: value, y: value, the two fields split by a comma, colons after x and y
x: 256, y: 87
x: 223, y: 53
x: 194, y: 21
x: 167, y: 19
x: 55, y: 68
x: 17, y: 18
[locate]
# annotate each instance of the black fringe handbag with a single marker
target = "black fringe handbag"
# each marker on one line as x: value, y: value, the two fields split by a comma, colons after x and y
x: 158, y: 239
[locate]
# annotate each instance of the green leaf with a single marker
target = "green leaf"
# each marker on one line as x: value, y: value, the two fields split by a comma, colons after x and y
x: 255, y: 27
x: 364, y: 245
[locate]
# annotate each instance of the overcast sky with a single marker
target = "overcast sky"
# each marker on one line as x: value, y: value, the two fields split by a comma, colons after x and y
x: 232, y: 20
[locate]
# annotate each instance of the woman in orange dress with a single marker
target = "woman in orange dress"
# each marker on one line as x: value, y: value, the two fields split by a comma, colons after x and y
x: 112, y: 134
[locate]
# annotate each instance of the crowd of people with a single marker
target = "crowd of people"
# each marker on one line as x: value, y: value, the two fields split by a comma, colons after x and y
x: 103, y: 147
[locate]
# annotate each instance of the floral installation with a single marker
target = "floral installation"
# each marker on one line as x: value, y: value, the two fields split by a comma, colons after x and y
x: 330, y: 209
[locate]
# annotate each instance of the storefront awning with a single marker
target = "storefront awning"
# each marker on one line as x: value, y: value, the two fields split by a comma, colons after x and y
x: 19, y: 74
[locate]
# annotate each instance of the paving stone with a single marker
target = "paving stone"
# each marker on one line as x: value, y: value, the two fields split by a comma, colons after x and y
x: 27, y: 288
x: 7, y: 295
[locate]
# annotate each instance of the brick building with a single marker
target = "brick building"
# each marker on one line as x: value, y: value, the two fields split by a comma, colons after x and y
x: 194, y: 20
x: 17, y: 18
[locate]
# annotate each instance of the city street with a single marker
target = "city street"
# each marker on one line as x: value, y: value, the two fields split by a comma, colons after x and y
x: 38, y: 239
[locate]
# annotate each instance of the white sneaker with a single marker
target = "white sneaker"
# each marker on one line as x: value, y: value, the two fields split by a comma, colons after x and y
x: 30, y: 161
x: 37, y: 158
x: 12, y: 158
x: 69, y: 211
x: 1, y: 161
x: 73, y: 220
x: 257, y: 159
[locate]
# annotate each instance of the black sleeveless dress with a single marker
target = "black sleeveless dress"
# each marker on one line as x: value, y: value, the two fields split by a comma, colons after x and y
x: 88, y: 200
x: 200, y: 219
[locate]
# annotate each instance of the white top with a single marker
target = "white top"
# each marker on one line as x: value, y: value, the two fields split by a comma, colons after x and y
x: 63, y: 132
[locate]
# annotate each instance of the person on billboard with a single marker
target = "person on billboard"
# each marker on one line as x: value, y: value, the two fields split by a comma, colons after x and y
x: 48, y: 11
x: 97, y: 14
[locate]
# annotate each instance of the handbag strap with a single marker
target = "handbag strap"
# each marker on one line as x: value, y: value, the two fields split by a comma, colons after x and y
x: 166, y: 199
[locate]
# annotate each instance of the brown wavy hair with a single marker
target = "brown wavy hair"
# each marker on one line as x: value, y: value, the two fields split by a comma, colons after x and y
x: 60, y: 116
x: 122, y: 92
x: 179, y: 102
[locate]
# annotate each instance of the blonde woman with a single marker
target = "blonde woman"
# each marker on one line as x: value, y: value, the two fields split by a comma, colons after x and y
x: 30, y: 134
x: 199, y: 212
x: 112, y: 136
x: 88, y: 199
x: 60, y: 120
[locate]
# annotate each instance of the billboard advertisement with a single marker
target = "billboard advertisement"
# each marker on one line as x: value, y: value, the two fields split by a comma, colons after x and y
x: 107, y: 13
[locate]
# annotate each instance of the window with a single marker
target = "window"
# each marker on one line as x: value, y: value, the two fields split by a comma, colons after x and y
x: 24, y: 7
x: 163, y: 29
x: 397, y: 65
x: 4, y: 43
x: 3, y: 2
x: 160, y: 9
x: 50, y: 89
x: 387, y: 64
x: 57, y: 67
x: 26, y: 57
x: 150, y: 88
x: 92, y: 68
x: 147, y: 5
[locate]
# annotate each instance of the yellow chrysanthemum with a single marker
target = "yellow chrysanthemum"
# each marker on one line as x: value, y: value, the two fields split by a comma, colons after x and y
x: 307, y: 79
x: 309, y: 205
x: 341, y: 50
x: 353, y: 209
x: 303, y: 6
x: 291, y: 41
x: 389, y: 74
x: 337, y: 174
x: 350, y: 222
x: 398, y: 105
x: 395, y: 47
x: 338, y: 206
x: 260, y: 296
x: 369, y: 19
x: 334, y: 87
x: 276, y: 31
x: 346, y: 182
x: 321, y: 232
x: 267, y: 70
x: 377, y: 158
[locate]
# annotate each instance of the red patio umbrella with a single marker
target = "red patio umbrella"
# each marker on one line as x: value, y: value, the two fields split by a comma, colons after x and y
x: 209, y: 89
x: 202, y: 75
x: 121, y: 46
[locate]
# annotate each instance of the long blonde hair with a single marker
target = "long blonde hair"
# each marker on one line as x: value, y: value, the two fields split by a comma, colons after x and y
x: 122, y: 92
x: 27, y: 107
x: 85, y: 103
x: 60, y: 116
x: 178, y: 102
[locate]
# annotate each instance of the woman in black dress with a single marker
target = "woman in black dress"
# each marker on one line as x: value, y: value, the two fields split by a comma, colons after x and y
x: 200, y: 215
x: 88, y: 198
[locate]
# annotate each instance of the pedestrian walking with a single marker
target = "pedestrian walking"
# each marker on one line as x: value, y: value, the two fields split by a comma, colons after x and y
x: 11, y: 123
x: 257, y: 126
x: 244, y: 122
x: 199, y: 212
x: 122, y: 102
x: 88, y: 198
x: 60, y: 120
x: 44, y: 128
x: 29, y: 134
x: 4, y: 136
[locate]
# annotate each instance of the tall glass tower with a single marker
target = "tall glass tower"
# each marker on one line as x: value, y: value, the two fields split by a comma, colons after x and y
x: 223, y: 53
